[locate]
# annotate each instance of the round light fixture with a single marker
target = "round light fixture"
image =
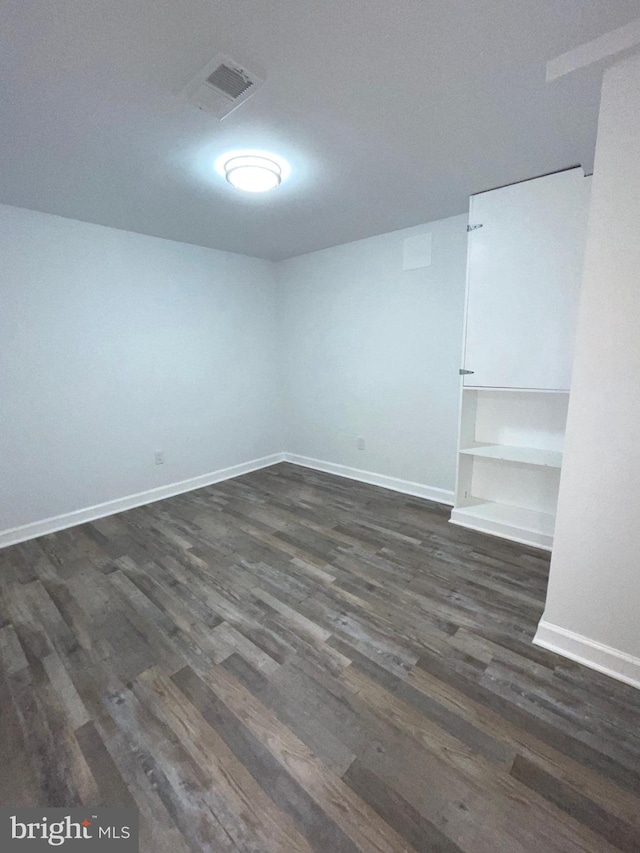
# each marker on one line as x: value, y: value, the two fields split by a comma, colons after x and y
x: 253, y: 173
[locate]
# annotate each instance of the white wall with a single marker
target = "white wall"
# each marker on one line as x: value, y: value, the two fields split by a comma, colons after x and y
x: 114, y: 345
x: 594, y: 589
x: 372, y: 351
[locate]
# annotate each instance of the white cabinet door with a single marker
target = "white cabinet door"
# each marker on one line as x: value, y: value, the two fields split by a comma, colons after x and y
x: 524, y: 276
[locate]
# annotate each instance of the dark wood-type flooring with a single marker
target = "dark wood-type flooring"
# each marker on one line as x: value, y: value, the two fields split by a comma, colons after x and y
x: 291, y: 661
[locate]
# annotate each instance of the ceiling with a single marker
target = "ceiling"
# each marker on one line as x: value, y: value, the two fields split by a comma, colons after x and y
x: 389, y: 113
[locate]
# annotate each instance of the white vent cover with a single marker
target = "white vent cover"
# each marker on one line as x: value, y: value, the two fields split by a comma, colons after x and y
x: 222, y: 85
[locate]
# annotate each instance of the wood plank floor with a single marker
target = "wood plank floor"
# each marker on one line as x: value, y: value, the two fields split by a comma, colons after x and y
x: 290, y: 661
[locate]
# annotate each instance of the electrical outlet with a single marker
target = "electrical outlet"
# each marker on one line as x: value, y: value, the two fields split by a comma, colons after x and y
x: 158, y: 457
x: 361, y: 444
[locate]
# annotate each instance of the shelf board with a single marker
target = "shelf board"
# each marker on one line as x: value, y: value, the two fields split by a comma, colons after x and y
x: 511, y: 453
x: 516, y: 390
x: 512, y: 522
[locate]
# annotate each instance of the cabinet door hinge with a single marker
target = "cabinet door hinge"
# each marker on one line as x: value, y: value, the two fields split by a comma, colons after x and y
x: 472, y: 227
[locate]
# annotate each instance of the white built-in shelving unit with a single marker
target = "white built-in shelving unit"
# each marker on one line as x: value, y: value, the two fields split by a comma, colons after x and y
x: 509, y: 463
x: 526, y: 246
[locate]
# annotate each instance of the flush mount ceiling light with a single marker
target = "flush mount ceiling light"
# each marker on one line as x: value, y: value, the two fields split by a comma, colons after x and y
x: 253, y: 173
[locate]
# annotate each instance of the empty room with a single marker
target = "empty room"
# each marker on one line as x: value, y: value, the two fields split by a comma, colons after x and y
x: 319, y: 401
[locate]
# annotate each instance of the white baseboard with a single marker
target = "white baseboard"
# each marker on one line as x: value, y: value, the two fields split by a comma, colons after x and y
x: 418, y: 490
x: 91, y: 513
x: 591, y: 653
x: 15, y: 535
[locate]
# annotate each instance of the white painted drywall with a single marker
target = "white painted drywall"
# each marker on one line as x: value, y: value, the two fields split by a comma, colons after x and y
x: 594, y: 588
x: 371, y: 350
x: 114, y: 345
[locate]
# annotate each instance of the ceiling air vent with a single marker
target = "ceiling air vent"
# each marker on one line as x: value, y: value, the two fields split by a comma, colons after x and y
x: 222, y: 85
